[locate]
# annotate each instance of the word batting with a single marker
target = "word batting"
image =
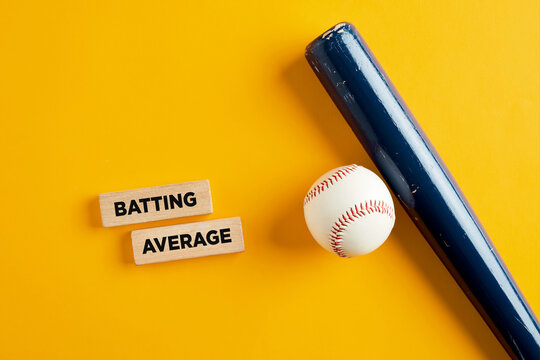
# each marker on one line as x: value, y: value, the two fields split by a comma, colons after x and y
x: 155, y: 203
x: 184, y: 241
x: 120, y: 206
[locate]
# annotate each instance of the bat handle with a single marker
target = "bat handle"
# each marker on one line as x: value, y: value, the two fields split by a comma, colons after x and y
x: 418, y: 177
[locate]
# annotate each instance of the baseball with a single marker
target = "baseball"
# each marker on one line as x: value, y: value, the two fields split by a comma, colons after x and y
x: 349, y: 211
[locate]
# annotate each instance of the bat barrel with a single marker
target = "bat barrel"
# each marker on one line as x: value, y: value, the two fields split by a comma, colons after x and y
x: 418, y: 177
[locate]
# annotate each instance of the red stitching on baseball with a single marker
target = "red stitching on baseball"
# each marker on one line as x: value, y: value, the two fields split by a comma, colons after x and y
x: 323, y: 185
x: 355, y: 213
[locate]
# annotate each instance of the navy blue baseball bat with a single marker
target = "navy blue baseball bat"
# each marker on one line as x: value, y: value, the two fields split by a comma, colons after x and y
x: 416, y: 174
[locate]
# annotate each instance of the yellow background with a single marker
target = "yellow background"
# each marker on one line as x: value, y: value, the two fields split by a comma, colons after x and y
x: 102, y: 96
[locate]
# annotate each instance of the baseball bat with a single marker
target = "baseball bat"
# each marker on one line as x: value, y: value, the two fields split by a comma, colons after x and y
x: 418, y: 177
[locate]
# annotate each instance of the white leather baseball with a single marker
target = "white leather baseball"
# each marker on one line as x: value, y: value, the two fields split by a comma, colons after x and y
x: 349, y: 211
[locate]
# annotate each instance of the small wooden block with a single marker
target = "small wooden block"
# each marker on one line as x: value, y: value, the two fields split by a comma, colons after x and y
x: 185, y: 241
x: 155, y: 203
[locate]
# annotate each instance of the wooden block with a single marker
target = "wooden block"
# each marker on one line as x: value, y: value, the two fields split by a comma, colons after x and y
x: 185, y: 241
x: 155, y: 203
